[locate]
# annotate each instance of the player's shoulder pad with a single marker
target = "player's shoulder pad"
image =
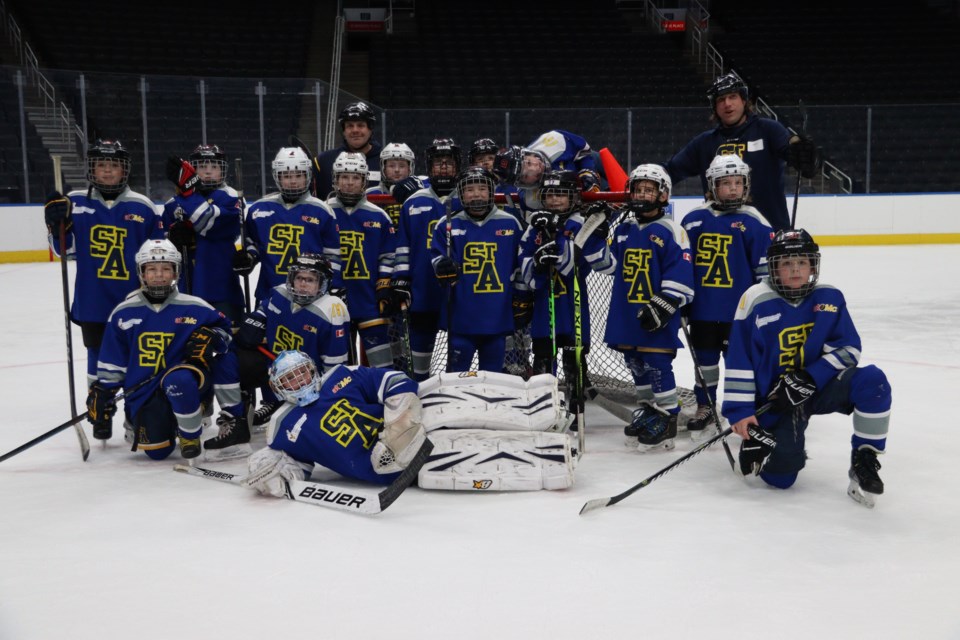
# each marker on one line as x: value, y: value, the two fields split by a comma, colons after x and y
x: 754, y: 213
x: 500, y: 214
x: 755, y: 295
x: 134, y: 197
x: 184, y: 299
x: 331, y: 309
x: 133, y: 300
x: 316, y: 202
x: 230, y: 191
x: 671, y: 227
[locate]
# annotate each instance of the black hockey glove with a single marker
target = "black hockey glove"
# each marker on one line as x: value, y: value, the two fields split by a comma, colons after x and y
x: 522, y: 309
x: 203, y: 345
x: 182, y: 235
x: 657, y: 313
x: 792, y: 390
x: 545, y: 222
x: 589, y: 180
x: 545, y: 256
x: 402, y: 289
x: 101, y: 407
x: 447, y: 271
x: 388, y: 304
x: 755, y: 451
x: 243, y: 262
x: 406, y: 188
x: 252, y: 330
x: 56, y: 211
x: 181, y: 173
x: 804, y: 156
x: 339, y: 292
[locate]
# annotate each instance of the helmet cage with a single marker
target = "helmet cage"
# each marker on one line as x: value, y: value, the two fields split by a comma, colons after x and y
x: 292, y: 160
x: 103, y: 151
x: 721, y: 167
x: 311, y: 263
x: 294, y: 378
x: 476, y: 207
x: 560, y: 183
x: 793, y: 243
x: 443, y: 148
x: 653, y: 173
x: 209, y: 154
x: 158, y: 252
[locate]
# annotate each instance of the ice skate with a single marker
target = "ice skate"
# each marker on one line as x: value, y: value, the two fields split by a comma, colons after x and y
x: 655, y: 429
x: 865, y: 482
x: 702, y: 426
x: 261, y: 417
x: 233, y: 440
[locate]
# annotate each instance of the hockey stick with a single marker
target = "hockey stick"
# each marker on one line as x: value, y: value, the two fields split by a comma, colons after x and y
x: 796, y: 194
x: 322, y: 494
x: 578, y: 355
x: 72, y: 422
x: 65, y: 286
x: 450, y: 293
x: 599, y: 503
x: 238, y: 169
x: 702, y: 381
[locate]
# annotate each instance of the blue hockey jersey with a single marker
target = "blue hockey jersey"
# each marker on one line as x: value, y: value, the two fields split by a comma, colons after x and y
x: 142, y: 340
x: 419, y: 216
x: 771, y: 335
x: 104, y: 241
x: 729, y: 256
x: 651, y: 257
x: 321, y: 329
x: 338, y: 430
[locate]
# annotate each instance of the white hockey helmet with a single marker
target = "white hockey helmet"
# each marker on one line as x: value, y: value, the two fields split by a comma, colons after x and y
x: 656, y: 174
x: 729, y: 165
x: 292, y: 161
x: 294, y: 378
x: 395, y: 151
x: 348, y: 163
x: 158, y: 251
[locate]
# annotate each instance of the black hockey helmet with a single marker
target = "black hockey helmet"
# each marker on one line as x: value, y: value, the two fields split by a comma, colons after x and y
x: 793, y: 243
x: 443, y: 148
x: 563, y: 183
x: 481, y: 147
x: 728, y: 83
x: 357, y: 111
x: 103, y: 150
x: 476, y: 207
x: 210, y: 153
x: 313, y: 263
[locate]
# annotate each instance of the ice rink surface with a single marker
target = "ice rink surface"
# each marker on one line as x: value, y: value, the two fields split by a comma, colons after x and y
x: 121, y: 547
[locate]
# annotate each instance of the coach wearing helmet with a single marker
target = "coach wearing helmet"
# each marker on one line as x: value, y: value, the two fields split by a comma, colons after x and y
x: 357, y: 121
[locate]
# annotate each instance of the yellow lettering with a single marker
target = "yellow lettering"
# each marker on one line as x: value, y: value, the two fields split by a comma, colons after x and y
x: 351, y: 256
x: 284, y: 241
x: 480, y: 258
x: 152, y: 349
x: 636, y: 273
x: 106, y: 243
x: 343, y: 422
x: 792, y: 340
x: 712, y: 253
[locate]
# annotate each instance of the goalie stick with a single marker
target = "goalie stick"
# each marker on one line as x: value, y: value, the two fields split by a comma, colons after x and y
x: 599, y: 503
x: 323, y: 494
x: 65, y: 285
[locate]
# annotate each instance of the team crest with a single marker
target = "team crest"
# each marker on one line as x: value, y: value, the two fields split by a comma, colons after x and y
x: 309, y: 328
x: 340, y: 385
x: 132, y: 217
x: 657, y: 240
x: 185, y: 320
x: 310, y: 219
x: 831, y: 308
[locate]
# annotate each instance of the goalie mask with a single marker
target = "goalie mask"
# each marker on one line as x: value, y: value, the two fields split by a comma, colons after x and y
x: 560, y: 192
x: 475, y: 188
x: 108, y: 167
x: 443, y: 165
x: 793, y: 262
x: 350, y: 177
x: 294, y: 378
x: 292, y: 171
x: 211, y: 165
x: 392, y: 159
x: 158, y: 265
x: 639, y: 196
x: 728, y: 198
x: 308, y: 278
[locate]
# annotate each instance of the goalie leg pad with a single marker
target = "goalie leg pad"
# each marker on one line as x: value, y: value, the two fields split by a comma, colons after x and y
x: 481, y: 460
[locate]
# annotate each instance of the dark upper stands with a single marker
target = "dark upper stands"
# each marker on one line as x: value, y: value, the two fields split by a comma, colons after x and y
x: 839, y: 57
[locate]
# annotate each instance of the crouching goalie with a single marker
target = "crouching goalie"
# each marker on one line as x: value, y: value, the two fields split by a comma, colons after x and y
x: 368, y: 424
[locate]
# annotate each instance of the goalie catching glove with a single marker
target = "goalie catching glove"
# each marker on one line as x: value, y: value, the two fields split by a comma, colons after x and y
x: 270, y: 470
x: 401, y: 436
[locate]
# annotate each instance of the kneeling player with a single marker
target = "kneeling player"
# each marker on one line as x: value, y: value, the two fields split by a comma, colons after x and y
x: 154, y: 327
x: 794, y: 344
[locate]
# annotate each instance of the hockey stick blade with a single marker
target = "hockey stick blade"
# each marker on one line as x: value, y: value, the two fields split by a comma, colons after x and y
x: 589, y: 226
x: 599, y: 503
x: 332, y: 496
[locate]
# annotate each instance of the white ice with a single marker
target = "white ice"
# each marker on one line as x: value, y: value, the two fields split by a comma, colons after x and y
x: 121, y: 547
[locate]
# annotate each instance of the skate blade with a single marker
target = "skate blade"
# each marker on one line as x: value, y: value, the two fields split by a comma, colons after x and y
x: 696, y: 437
x: 234, y: 452
x: 666, y: 445
x: 859, y: 495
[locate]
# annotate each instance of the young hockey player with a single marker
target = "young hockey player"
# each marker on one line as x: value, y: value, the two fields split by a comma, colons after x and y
x: 299, y: 315
x: 729, y: 240
x: 475, y: 255
x: 793, y: 345
x: 283, y: 225
x: 367, y: 246
x: 203, y: 222
x: 653, y: 279
x: 104, y: 227
x: 177, y: 342
x: 397, y: 163
x: 361, y: 422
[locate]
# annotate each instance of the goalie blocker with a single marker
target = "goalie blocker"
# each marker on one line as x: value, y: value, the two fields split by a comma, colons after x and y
x: 496, y: 432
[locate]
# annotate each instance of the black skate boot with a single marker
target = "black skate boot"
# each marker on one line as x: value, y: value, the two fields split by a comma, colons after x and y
x: 262, y: 415
x: 702, y: 425
x: 103, y: 430
x: 232, y: 441
x: 865, y: 482
x: 654, y: 428
x: 189, y: 447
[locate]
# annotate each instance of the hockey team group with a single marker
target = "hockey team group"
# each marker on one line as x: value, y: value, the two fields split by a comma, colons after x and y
x: 162, y: 300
